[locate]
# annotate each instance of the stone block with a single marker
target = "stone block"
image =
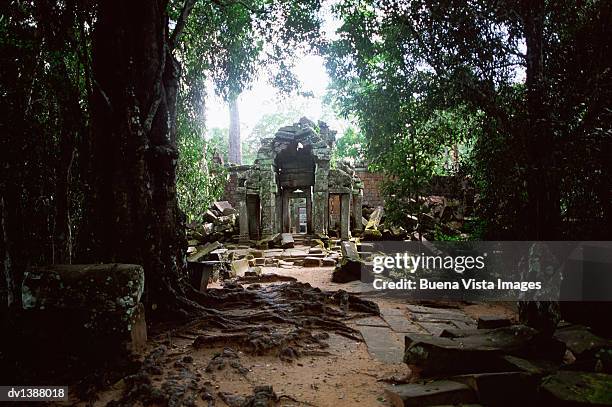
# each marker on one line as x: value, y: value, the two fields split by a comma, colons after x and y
x: 478, y: 353
x: 72, y: 309
x: 571, y: 388
x: 439, y: 392
x: 328, y: 262
x: 503, y: 388
x: 310, y: 261
x: 493, y: 321
x: 239, y: 267
x: 287, y: 240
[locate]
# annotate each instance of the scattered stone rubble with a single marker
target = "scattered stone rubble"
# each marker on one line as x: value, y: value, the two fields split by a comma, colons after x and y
x: 436, y: 214
x: 506, y: 365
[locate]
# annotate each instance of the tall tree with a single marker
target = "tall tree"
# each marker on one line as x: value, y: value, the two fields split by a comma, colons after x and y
x: 133, y: 215
x: 235, y: 147
x: 246, y: 38
x: 421, y: 59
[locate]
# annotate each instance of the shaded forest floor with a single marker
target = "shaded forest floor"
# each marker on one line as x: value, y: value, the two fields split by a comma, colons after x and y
x: 205, y: 366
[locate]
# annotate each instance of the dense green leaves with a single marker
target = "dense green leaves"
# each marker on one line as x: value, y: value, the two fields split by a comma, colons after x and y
x: 425, y: 79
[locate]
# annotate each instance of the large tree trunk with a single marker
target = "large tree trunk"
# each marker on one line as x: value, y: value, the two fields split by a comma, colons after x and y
x: 542, y: 180
x: 134, y: 215
x: 235, y: 147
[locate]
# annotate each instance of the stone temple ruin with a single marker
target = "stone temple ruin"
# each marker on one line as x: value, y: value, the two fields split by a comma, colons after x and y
x: 289, y: 187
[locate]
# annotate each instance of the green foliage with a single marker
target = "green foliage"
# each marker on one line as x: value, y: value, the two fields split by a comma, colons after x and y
x: 235, y: 41
x: 424, y: 79
x: 351, y: 145
x: 200, y: 180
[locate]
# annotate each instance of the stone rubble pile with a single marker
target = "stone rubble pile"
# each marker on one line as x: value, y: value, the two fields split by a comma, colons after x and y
x: 436, y: 215
x: 219, y: 223
x: 507, y: 366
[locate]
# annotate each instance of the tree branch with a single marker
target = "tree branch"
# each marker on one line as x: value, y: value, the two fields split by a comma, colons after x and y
x: 180, y: 24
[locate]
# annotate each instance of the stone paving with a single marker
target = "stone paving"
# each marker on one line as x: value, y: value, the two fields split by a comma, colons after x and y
x: 384, y: 335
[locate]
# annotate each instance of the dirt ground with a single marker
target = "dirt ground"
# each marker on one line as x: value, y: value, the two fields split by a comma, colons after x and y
x: 349, y: 376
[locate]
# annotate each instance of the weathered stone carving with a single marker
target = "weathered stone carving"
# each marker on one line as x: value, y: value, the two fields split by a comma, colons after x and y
x: 295, y: 164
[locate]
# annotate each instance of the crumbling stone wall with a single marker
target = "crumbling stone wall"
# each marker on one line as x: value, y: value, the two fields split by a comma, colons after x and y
x: 294, y: 163
x: 372, y: 181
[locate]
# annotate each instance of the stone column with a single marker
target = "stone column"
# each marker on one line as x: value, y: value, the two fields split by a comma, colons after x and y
x: 345, y: 215
x: 254, y: 213
x: 357, y: 207
x: 278, y: 218
x: 320, y: 199
x: 268, y: 199
x: 309, y: 210
x: 286, y: 221
x: 244, y: 220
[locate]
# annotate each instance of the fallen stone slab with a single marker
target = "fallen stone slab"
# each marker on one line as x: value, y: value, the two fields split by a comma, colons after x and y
x: 203, y: 251
x: 460, y: 333
x: 210, y: 216
x: 582, y: 342
x: 478, y: 353
x: 256, y: 253
x: 375, y: 219
x: 287, y: 241
x: 439, y: 392
x: 92, y: 311
x: 350, y: 266
x: 382, y: 343
x: 532, y: 367
x: 493, y: 321
x: 371, y: 234
x: 268, y: 242
x: 200, y: 273
x: 502, y: 389
x: 224, y: 207
x: 572, y: 388
x: 328, y: 262
x: 310, y: 261
x: 239, y: 267
x: 259, y: 261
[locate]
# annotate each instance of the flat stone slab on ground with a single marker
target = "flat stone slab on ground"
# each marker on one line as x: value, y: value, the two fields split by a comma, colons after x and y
x: 437, y: 328
x: 436, y: 393
x: 571, y: 388
x: 581, y: 341
x: 477, y: 353
x: 311, y: 262
x: 493, y: 321
x: 392, y: 311
x: 400, y: 323
x: 328, y: 262
x: 371, y: 321
x: 502, y: 389
x: 382, y: 343
x: 287, y: 240
x: 443, y: 317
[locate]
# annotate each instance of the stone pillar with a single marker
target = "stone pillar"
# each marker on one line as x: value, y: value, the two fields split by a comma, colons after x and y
x: 244, y: 221
x: 278, y: 218
x: 268, y: 198
x: 294, y: 217
x: 254, y: 213
x: 345, y: 215
x: 286, y: 220
x: 309, y: 210
x: 320, y: 199
x: 357, y: 207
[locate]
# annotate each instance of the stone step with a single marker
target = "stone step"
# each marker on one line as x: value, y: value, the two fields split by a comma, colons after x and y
x: 477, y: 353
x: 439, y: 392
